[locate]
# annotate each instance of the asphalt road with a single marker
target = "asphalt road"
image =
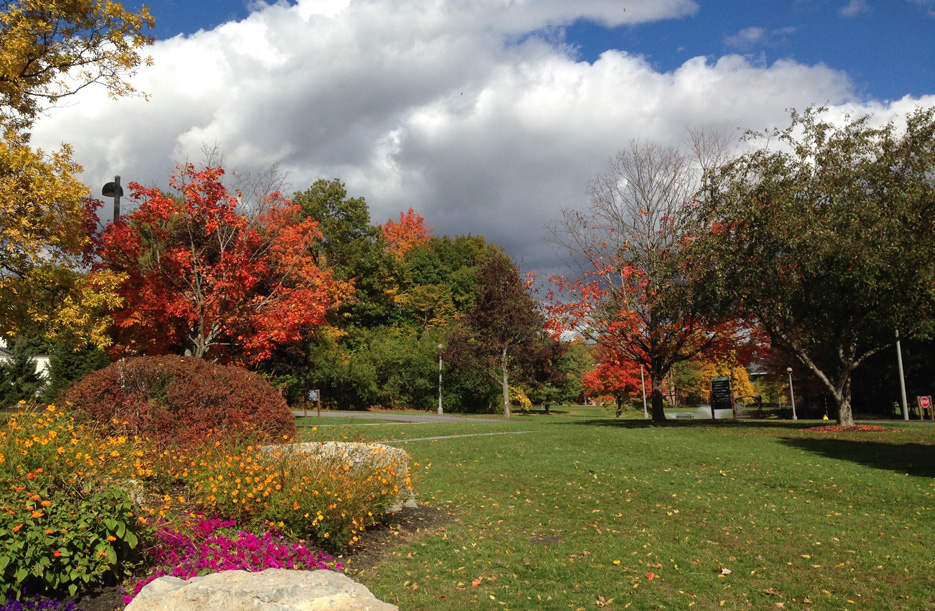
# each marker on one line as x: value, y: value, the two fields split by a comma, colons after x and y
x: 394, y: 417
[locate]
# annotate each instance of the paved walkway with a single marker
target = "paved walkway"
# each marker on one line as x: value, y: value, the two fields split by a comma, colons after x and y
x: 394, y: 417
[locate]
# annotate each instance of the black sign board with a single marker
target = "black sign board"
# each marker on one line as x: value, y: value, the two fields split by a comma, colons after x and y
x: 720, y: 393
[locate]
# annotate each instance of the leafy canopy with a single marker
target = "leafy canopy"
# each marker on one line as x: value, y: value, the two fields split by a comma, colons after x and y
x: 204, y: 280
x: 823, y: 235
x: 45, y: 224
x: 49, y: 50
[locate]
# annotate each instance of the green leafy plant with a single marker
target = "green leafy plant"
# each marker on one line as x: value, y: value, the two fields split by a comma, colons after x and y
x: 55, y: 538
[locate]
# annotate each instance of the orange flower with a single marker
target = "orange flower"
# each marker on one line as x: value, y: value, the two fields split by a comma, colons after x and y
x: 37, y: 514
x: 56, y: 553
x: 111, y: 538
x: 17, y: 527
x: 45, y: 503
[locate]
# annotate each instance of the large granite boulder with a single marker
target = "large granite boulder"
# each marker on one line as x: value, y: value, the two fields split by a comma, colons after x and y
x: 269, y: 590
x: 361, y: 457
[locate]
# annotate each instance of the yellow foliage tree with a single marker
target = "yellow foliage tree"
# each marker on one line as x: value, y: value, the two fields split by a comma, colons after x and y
x: 53, y: 49
x: 740, y: 384
x: 43, y: 239
x: 48, y: 50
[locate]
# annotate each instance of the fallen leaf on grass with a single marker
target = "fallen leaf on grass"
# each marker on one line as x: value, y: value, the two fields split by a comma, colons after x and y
x: 771, y: 592
x: 477, y: 581
x: 650, y: 576
x: 725, y: 571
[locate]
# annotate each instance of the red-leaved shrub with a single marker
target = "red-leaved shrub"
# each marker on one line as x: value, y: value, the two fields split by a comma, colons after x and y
x: 178, y: 401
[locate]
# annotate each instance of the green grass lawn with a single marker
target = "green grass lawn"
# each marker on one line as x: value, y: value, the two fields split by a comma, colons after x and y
x: 579, y: 510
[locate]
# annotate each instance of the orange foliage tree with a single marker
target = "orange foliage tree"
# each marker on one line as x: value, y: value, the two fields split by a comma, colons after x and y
x: 206, y: 281
x: 614, y: 375
x: 405, y: 235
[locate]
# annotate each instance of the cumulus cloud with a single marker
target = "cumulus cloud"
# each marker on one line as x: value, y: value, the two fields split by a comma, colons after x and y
x: 461, y: 109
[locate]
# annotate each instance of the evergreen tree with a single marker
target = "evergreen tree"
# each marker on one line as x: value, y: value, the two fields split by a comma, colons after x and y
x: 18, y: 378
x: 70, y: 362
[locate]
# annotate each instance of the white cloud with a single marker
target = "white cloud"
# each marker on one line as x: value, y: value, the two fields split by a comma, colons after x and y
x: 746, y: 38
x: 454, y: 107
x: 855, y: 8
x: 928, y: 5
x: 752, y: 37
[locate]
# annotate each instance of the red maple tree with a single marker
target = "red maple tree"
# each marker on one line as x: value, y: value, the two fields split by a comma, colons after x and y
x: 405, y: 235
x: 202, y: 279
x: 614, y: 375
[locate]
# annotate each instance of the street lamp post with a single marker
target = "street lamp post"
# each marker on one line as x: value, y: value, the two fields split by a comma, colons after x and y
x: 113, y: 189
x: 902, y: 377
x: 440, y: 348
x: 791, y: 393
x: 643, y: 384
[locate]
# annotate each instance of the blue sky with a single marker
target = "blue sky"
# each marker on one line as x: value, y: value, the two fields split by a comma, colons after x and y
x: 488, y: 117
x: 886, y: 47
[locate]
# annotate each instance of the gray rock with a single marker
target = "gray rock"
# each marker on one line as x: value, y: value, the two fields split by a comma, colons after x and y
x: 361, y: 457
x: 270, y: 590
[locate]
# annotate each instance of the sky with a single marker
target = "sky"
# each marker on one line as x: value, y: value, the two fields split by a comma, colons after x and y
x: 488, y: 117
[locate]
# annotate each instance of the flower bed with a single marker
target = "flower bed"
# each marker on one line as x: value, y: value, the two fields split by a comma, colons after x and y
x: 199, y: 546
x: 78, y: 507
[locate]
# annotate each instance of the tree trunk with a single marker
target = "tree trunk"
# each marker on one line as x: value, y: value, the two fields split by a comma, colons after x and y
x: 505, y: 383
x: 842, y: 397
x: 659, y: 414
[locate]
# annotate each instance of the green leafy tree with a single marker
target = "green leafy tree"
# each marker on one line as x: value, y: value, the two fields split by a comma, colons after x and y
x: 438, y: 279
x: 353, y: 249
x: 823, y: 235
x: 504, y: 333
x: 575, y: 360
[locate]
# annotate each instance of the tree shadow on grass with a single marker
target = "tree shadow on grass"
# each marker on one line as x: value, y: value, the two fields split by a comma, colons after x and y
x: 910, y: 458
x: 631, y: 423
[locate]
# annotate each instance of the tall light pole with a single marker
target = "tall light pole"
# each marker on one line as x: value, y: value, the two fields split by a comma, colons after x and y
x: 643, y: 383
x: 902, y: 377
x: 791, y: 393
x: 113, y: 189
x: 440, y: 348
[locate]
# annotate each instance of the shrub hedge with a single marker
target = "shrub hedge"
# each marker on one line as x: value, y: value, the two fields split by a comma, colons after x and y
x: 179, y: 401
